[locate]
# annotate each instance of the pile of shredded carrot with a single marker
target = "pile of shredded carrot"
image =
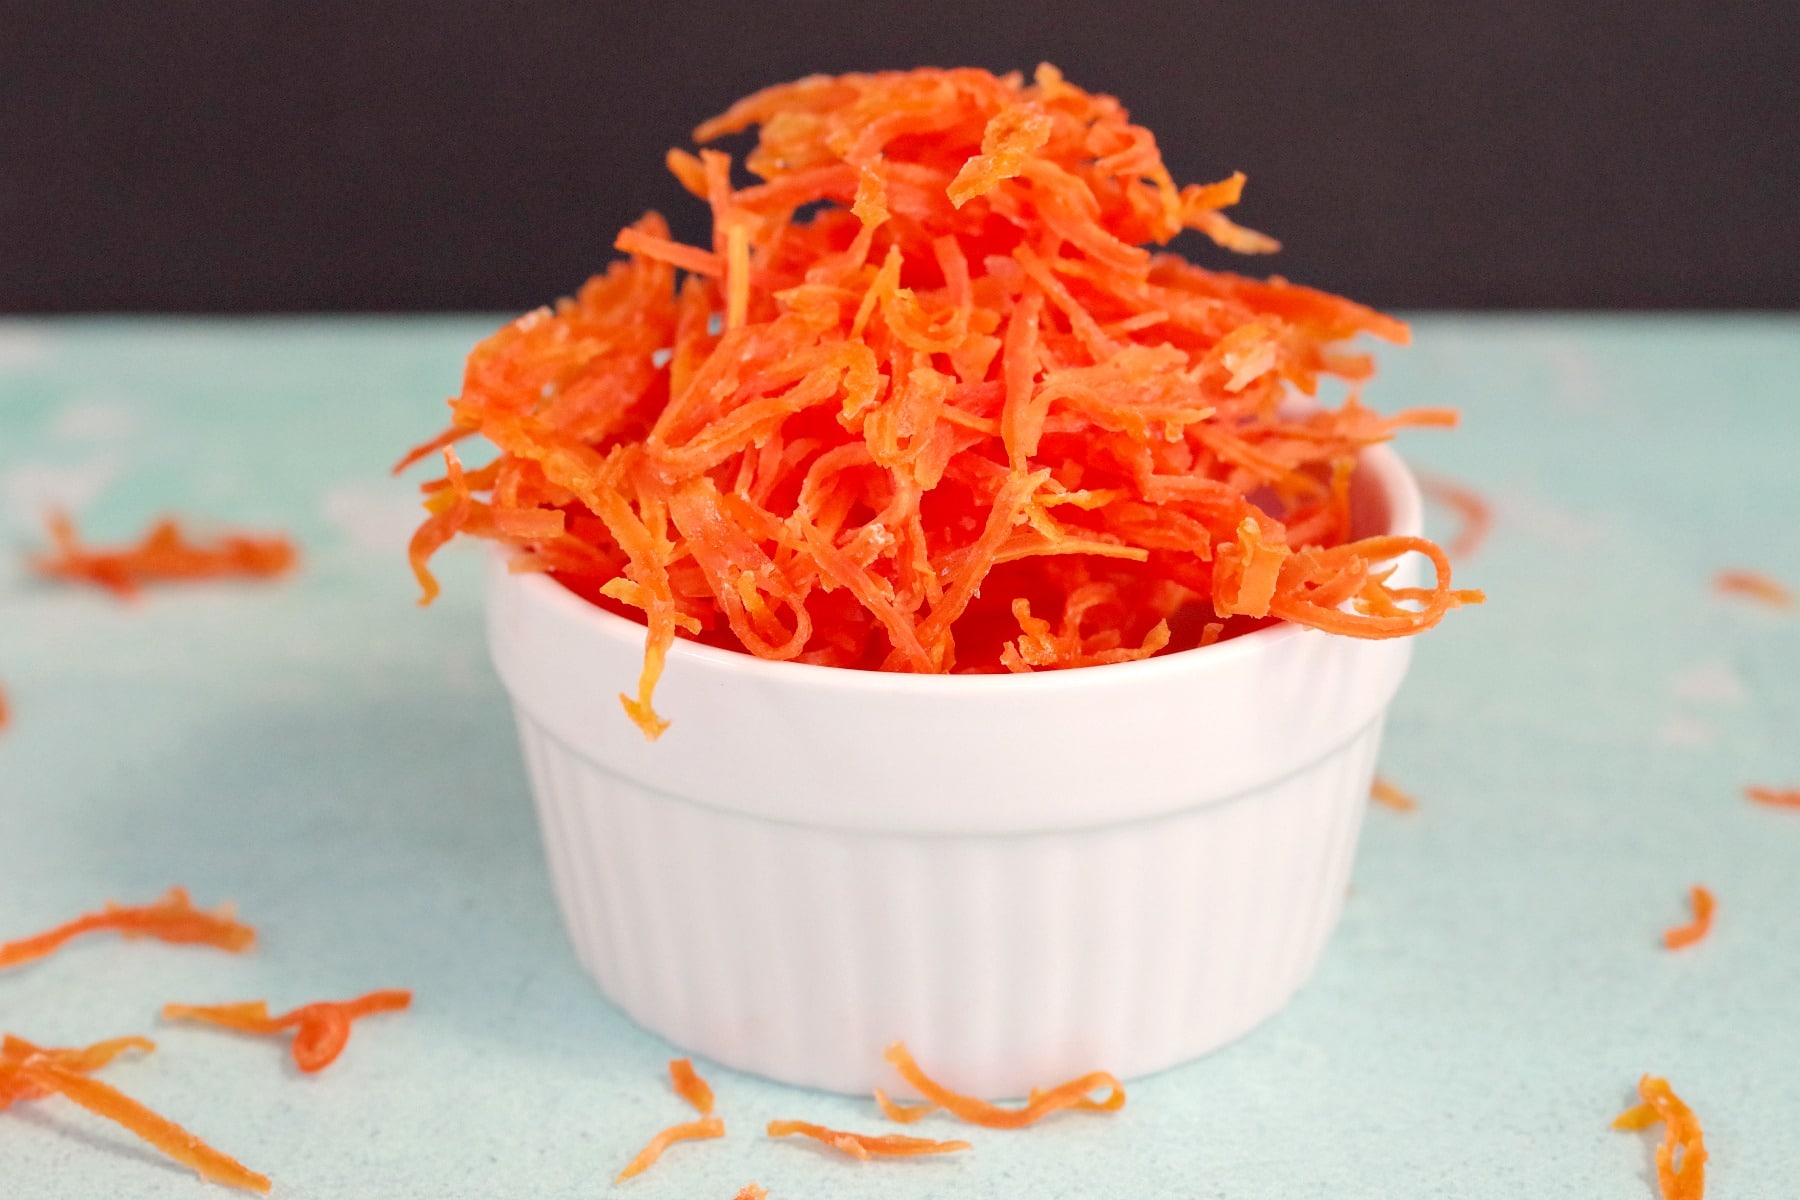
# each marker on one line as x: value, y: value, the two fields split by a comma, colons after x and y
x: 930, y: 401
x: 1076, y: 1094
x: 1385, y: 793
x: 1681, y: 1159
x: 1754, y: 585
x: 695, y: 1090
x: 1774, y: 797
x: 321, y: 1030
x: 864, y: 1146
x: 1683, y: 936
x: 164, y: 555
x: 173, y: 919
x: 28, y: 1072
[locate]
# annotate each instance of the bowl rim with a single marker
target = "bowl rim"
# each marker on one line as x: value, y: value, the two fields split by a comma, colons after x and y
x: 1384, y: 464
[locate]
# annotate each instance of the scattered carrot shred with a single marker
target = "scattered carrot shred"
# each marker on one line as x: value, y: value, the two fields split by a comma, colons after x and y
x: 751, y: 1191
x: 1754, y: 585
x: 173, y: 918
x: 28, y: 1072
x: 321, y: 1029
x: 1384, y: 792
x: 688, y: 1131
x: 5, y: 710
x: 865, y: 1145
x: 1476, y: 513
x: 905, y: 1114
x: 1681, y: 1158
x: 1774, y: 797
x: 690, y: 1087
x: 1075, y: 1094
x: 164, y: 555
x: 1683, y: 936
x: 934, y: 399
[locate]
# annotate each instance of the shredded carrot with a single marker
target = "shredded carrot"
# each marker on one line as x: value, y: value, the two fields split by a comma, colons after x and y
x: 1384, y: 792
x: 1075, y: 1094
x: 865, y: 1145
x: 28, y: 1072
x: 172, y: 919
x: 164, y: 555
x: 1683, y: 936
x: 690, y: 1087
x: 688, y: 1131
x: 1774, y: 797
x: 321, y: 1030
x: 751, y: 1191
x: 5, y: 710
x: 1754, y: 585
x: 934, y: 399
x: 1681, y: 1159
x: 1476, y: 513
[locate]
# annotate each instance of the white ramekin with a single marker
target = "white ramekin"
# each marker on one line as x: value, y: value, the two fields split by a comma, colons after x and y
x: 1025, y: 877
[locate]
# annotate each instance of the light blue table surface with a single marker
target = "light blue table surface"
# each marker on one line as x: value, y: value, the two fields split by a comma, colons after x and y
x: 341, y: 764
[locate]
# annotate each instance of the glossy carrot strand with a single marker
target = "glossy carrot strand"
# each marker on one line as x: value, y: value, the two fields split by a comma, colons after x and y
x: 173, y: 919
x: 321, y: 1029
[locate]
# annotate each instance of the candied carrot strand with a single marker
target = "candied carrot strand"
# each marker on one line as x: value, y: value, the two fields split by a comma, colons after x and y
x: 863, y: 1146
x: 321, y: 1029
x: 427, y: 448
x: 751, y: 1191
x: 1384, y: 792
x: 1476, y: 513
x: 1774, y: 797
x: 905, y: 1114
x: 1681, y: 1158
x: 688, y: 258
x: 172, y: 918
x: 706, y: 1127
x: 49, y: 1076
x: 1754, y: 585
x: 690, y: 1087
x: 163, y: 555
x: 1683, y: 936
x: 1073, y: 1094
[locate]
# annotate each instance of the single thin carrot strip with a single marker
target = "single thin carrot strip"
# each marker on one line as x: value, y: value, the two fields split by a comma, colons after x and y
x: 688, y: 1131
x: 1073, y: 1094
x: 1681, y: 1158
x: 163, y: 555
x: 1476, y: 513
x: 321, y: 1029
x: 1384, y: 792
x: 49, y: 1072
x: 690, y: 1087
x: 444, y: 523
x: 905, y: 1114
x: 863, y: 1146
x: 427, y: 448
x: 688, y: 258
x: 173, y: 919
x: 737, y: 275
x: 1774, y: 797
x: 1683, y: 936
x: 1754, y: 585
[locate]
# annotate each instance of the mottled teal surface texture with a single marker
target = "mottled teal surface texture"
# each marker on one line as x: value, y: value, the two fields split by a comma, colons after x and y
x: 341, y: 764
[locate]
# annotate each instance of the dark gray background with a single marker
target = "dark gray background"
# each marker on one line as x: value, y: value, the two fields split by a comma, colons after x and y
x: 238, y: 155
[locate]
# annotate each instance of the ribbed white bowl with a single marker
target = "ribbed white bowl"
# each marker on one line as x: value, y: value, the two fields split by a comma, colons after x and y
x: 1023, y: 877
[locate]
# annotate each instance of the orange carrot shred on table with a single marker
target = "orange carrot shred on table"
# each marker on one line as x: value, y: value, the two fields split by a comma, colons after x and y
x: 690, y: 1087
x: 1774, y: 797
x: 1683, y: 936
x: 164, y: 555
x: 28, y: 1072
x: 1385, y: 793
x: 934, y: 362
x: 1476, y: 513
x: 1681, y: 1158
x: 1075, y: 1094
x: 321, y: 1029
x: 751, y: 1191
x: 5, y: 709
x: 1754, y: 585
x: 864, y: 1146
x: 687, y: 1131
x: 173, y: 919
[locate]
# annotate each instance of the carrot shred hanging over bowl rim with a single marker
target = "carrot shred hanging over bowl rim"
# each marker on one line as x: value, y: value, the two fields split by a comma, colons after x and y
x: 699, y: 1095
x: 1754, y: 585
x: 1771, y: 797
x: 864, y: 1146
x: 28, y: 1072
x: 171, y: 918
x: 321, y: 1029
x: 1682, y: 936
x: 1681, y: 1158
x: 166, y: 554
x: 1074, y: 1095
x: 933, y: 400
